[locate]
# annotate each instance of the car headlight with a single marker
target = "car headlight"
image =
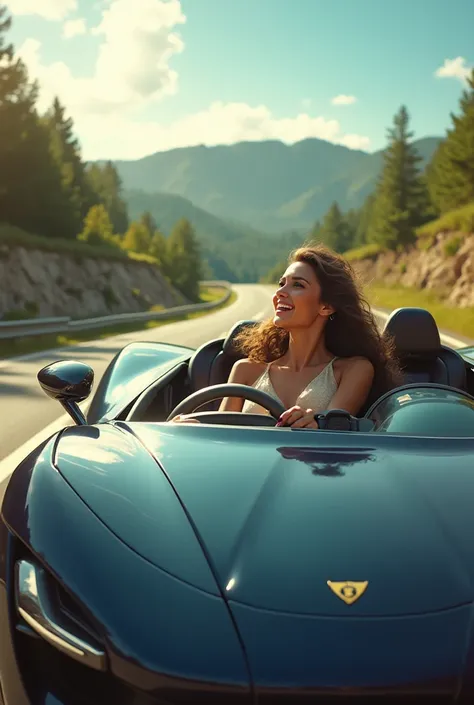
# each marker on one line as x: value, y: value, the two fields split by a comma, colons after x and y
x: 37, y: 605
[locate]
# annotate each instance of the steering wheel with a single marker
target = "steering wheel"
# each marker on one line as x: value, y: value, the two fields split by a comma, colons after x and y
x: 218, y: 391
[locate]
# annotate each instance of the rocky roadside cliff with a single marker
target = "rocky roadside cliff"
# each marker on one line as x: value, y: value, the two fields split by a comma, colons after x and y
x: 446, y: 267
x: 37, y: 283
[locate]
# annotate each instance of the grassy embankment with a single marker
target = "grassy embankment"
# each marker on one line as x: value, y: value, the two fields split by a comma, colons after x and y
x: 449, y: 318
x: 25, y: 345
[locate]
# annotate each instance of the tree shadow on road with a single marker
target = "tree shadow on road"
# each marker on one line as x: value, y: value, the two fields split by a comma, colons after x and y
x: 39, y: 361
x: 8, y: 389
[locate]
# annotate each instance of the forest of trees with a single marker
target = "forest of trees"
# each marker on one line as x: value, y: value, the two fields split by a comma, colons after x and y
x: 407, y: 197
x: 47, y: 189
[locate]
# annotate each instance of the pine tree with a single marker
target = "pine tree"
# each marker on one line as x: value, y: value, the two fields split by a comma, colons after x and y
x: 66, y: 152
x: 137, y: 238
x: 107, y: 185
x: 401, y: 199
x: 31, y: 196
x: 17, y: 101
x: 315, y: 232
x: 334, y: 231
x: 366, y: 213
x: 352, y: 219
x: 154, y: 241
x: 148, y: 222
x: 159, y: 250
x: 113, y: 200
x: 185, y: 268
x: 451, y: 173
x: 97, y: 227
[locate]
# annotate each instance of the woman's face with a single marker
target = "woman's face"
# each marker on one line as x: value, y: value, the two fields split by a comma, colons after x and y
x: 297, y: 301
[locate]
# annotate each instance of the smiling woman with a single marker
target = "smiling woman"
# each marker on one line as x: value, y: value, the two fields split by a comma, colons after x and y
x: 321, y: 350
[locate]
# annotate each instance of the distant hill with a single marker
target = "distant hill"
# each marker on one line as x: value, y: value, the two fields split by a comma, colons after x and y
x: 168, y: 208
x: 233, y: 251
x: 268, y: 186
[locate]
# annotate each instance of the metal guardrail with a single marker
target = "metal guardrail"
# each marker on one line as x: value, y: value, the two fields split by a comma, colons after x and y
x: 44, y: 326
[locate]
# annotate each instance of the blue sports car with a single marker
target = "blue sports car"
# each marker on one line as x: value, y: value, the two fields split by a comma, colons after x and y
x: 232, y: 562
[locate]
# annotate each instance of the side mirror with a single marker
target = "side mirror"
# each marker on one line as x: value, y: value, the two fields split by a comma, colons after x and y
x: 69, y: 382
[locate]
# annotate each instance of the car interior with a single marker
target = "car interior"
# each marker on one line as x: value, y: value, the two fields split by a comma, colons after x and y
x: 413, y: 332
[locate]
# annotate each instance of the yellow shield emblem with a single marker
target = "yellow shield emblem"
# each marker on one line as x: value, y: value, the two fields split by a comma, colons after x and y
x: 348, y: 591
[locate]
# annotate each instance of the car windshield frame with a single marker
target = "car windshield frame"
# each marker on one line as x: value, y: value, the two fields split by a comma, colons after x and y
x: 407, y: 395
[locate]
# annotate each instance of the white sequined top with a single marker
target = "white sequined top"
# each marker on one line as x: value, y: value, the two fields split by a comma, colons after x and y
x: 316, y: 395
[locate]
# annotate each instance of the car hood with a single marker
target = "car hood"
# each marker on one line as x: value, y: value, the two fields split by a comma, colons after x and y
x: 274, y: 514
x: 281, y: 513
x: 121, y: 483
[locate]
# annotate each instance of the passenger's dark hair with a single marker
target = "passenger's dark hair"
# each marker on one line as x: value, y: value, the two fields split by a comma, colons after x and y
x: 351, y: 332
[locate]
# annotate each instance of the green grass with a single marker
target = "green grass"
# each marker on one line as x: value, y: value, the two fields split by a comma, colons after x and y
x: 460, y: 220
x: 11, y: 236
x: 452, y: 245
x: 460, y: 223
x: 26, y: 345
x: 363, y: 252
x: 212, y: 293
x: 449, y: 318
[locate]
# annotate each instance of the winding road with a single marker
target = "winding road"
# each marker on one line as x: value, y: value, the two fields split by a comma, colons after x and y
x: 26, y: 411
x: 28, y: 416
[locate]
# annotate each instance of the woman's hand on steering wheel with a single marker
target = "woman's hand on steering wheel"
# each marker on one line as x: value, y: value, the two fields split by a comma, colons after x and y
x: 297, y: 417
x: 182, y: 419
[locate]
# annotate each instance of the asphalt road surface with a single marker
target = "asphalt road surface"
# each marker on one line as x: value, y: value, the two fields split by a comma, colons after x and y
x: 28, y: 416
x: 24, y: 408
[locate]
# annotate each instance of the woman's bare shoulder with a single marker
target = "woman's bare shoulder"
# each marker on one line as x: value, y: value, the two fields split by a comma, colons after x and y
x: 359, y: 364
x: 246, y: 371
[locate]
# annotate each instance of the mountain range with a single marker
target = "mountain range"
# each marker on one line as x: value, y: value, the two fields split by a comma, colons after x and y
x: 247, y: 197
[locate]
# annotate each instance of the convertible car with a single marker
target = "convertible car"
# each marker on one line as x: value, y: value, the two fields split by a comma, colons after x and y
x: 229, y: 562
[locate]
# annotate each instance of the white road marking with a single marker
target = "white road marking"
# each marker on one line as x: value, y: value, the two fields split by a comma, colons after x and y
x: 56, y: 352
x: 8, y: 464
x: 31, y: 356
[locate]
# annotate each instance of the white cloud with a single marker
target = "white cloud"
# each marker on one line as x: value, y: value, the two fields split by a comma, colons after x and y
x: 454, y: 68
x: 133, y: 71
x: 355, y: 142
x: 73, y: 28
x: 48, y: 9
x: 343, y: 99
x: 119, y: 137
x: 132, y: 66
x: 137, y: 47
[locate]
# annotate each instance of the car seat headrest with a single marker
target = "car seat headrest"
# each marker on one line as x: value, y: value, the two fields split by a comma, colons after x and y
x: 228, y: 346
x: 414, y: 332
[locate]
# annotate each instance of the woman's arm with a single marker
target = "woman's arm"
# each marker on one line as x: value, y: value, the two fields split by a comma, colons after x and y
x: 352, y: 392
x: 243, y: 372
x: 240, y: 373
x: 354, y: 387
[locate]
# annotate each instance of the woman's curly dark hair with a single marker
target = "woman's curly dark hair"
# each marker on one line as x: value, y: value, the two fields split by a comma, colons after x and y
x: 353, y: 331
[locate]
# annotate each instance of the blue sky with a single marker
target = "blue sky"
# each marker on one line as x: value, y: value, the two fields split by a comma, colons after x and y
x: 144, y: 75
